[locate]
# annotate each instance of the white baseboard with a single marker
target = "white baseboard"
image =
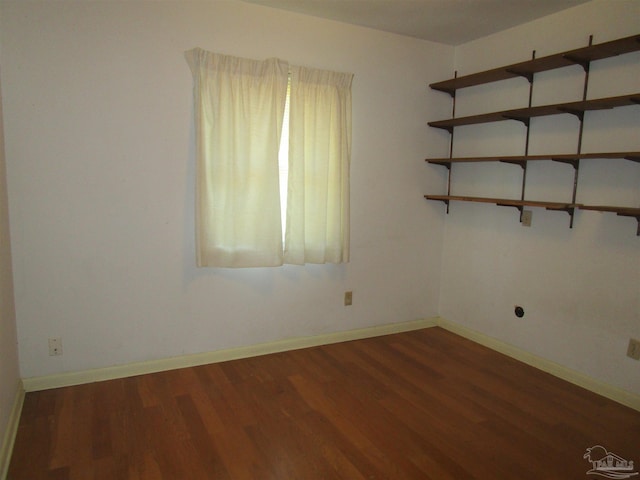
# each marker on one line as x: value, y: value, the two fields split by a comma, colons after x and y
x: 10, y: 433
x: 613, y: 393
x: 121, y: 371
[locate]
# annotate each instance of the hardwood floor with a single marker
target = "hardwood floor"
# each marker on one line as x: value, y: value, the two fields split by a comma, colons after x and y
x: 419, y: 405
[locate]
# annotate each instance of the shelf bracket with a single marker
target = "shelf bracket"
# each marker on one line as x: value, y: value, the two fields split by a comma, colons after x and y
x: 450, y: 91
x: 520, y: 208
x: 521, y: 163
x: 637, y: 217
x: 573, y: 162
x: 448, y: 128
x: 577, y: 113
x: 443, y: 200
x: 525, y: 120
x: 583, y: 62
x: 527, y: 75
x: 523, y: 74
x: 447, y: 165
x: 570, y: 210
x: 578, y: 61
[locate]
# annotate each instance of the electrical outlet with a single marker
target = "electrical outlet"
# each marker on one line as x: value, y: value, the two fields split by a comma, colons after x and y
x: 348, y: 298
x: 633, y: 351
x: 55, y: 346
x: 526, y: 217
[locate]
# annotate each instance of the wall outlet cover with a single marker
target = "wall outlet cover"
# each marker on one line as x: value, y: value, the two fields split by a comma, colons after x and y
x: 348, y: 298
x: 55, y: 346
x: 633, y: 351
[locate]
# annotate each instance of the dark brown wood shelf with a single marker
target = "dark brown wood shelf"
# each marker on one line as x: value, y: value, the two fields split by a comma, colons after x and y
x: 559, y: 206
x: 580, y: 56
x: 524, y: 114
x: 522, y: 159
x: 623, y: 211
x: 505, y: 202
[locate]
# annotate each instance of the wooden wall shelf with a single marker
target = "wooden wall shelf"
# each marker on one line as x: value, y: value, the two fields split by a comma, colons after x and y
x: 620, y: 211
x: 505, y: 202
x: 525, y: 114
x: 581, y: 56
x: 558, y: 206
x: 521, y: 159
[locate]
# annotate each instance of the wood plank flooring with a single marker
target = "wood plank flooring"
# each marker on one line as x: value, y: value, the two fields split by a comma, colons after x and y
x: 418, y: 405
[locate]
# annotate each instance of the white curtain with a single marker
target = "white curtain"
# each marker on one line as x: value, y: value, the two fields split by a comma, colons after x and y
x: 239, y: 108
x: 317, y: 229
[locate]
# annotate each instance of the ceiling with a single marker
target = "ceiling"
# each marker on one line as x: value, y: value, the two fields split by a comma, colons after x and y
x: 452, y: 22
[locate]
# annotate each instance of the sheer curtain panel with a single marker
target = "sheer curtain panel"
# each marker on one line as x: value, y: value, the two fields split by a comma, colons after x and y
x: 239, y: 109
x: 317, y: 227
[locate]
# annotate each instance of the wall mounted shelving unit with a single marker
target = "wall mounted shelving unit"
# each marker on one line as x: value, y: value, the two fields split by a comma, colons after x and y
x: 582, y: 56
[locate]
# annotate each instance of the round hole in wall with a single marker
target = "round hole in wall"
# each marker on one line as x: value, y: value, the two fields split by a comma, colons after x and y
x: 519, y: 311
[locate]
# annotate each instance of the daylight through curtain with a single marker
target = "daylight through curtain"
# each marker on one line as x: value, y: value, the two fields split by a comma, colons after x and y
x: 239, y: 107
x: 317, y: 229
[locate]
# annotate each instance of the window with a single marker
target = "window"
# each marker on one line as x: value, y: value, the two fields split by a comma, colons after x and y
x: 283, y: 160
x: 240, y: 119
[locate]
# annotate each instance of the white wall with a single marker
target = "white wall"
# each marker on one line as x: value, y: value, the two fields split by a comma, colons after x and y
x: 97, y: 107
x: 580, y: 287
x: 9, y: 371
x: 99, y: 139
